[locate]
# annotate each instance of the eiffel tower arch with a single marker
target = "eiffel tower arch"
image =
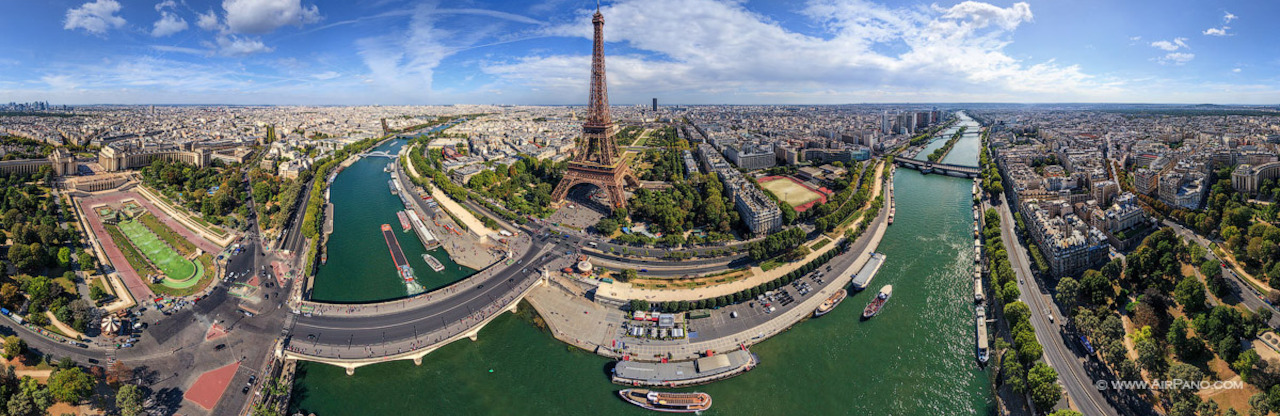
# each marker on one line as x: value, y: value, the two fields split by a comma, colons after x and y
x: 598, y: 161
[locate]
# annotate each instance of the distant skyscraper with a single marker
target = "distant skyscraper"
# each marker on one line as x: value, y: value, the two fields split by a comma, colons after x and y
x: 886, y: 126
x: 655, y: 104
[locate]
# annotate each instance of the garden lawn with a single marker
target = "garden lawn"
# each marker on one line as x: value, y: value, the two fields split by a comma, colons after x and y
x: 170, y: 262
x: 176, y: 241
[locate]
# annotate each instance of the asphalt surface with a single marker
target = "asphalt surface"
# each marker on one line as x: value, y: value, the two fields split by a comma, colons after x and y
x: 1077, y: 371
x: 1059, y: 353
x: 346, y: 331
x: 1243, y: 290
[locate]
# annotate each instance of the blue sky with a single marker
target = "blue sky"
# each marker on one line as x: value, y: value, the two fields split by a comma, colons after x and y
x: 681, y: 51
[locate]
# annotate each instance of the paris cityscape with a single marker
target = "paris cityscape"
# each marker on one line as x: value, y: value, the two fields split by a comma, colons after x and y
x: 297, y: 207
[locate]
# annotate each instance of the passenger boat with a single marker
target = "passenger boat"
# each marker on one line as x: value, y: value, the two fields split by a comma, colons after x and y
x: 877, y: 304
x: 404, y: 220
x: 830, y: 303
x: 433, y: 262
x: 667, y: 402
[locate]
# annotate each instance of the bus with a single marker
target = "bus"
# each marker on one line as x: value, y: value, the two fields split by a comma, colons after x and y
x: 593, y: 244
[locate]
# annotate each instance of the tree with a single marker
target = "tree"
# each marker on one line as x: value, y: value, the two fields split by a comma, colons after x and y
x: 1259, y: 405
x: 71, y: 385
x: 1189, y: 376
x: 1095, y: 288
x: 1185, y: 347
x: 1043, y: 381
x: 1015, y: 375
x: 1068, y: 292
x: 87, y: 262
x: 629, y: 275
x: 1066, y: 412
x: 14, y: 346
x: 606, y: 226
x: 1190, y: 294
x: 64, y: 257
x: 1150, y: 355
x: 129, y: 400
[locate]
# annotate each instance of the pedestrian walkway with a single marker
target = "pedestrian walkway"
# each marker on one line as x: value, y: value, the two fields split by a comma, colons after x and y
x: 624, y: 292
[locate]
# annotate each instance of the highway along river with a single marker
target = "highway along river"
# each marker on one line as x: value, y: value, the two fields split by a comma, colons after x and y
x: 359, y: 268
x: 915, y: 358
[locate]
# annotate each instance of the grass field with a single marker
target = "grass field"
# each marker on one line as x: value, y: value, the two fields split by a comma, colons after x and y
x: 170, y: 262
x: 790, y: 192
x: 167, y: 234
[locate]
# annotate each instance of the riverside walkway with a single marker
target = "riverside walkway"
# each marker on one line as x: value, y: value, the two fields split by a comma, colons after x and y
x: 598, y: 330
x: 619, y: 293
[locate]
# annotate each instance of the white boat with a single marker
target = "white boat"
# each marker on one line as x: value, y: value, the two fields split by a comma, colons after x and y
x: 433, y: 262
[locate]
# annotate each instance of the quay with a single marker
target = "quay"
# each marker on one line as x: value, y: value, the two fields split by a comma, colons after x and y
x: 684, y: 373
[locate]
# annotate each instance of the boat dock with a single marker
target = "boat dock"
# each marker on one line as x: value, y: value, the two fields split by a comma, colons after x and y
x: 404, y: 221
x: 428, y: 239
x: 980, y: 335
x: 868, y: 271
x: 684, y: 373
x: 893, y: 208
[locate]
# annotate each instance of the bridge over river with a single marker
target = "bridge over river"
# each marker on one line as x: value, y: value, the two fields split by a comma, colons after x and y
x: 356, y: 335
x: 925, y: 166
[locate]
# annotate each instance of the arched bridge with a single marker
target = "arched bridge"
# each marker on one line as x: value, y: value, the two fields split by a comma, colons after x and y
x: 925, y: 166
x: 379, y: 153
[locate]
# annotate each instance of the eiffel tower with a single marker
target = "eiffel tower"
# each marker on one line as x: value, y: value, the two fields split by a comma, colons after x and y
x: 597, y: 160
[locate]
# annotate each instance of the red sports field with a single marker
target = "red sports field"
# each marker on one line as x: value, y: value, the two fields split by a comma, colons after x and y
x: 801, y: 197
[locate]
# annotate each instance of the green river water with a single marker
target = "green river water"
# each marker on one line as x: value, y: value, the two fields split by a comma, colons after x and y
x: 359, y: 268
x: 914, y: 358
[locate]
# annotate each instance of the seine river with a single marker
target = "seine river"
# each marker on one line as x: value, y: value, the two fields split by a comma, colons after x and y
x: 360, y: 267
x: 915, y: 358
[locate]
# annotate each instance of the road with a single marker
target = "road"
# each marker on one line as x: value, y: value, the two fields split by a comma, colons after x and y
x: 1247, y: 294
x: 337, y: 330
x: 1058, y: 350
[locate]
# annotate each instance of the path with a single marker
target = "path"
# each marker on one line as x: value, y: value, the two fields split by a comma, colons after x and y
x: 625, y: 291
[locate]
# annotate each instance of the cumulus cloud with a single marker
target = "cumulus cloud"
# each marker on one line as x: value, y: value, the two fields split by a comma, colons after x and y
x: 1216, y: 31
x: 260, y: 17
x: 169, y: 22
x: 736, y: 53
x: 207, y: 21
x: 1177, y: 58
x: 1227, y: 17
x: 1170, y: 46
x: 96, y: 17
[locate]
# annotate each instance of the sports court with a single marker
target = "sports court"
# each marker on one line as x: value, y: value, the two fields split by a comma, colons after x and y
x: 792, y: 192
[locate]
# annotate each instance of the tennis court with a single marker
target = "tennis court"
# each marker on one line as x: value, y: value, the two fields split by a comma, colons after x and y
x: 170, y: 262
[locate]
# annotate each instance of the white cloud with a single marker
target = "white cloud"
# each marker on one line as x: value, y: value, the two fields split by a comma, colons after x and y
x: 1236, y: 70
x: 96, y: 17
x: 207, y: 21
x: 734, y: 54
x: 260, y: 17
x: 326, y: 75
x: 179, y: 49
x: 168, y: 24
x: 1177, y: 58
x: 1227, y: 17
x: 1216, y: 31
x: 1170, y: 46
x: 166, y: 4
x: 233, y: 45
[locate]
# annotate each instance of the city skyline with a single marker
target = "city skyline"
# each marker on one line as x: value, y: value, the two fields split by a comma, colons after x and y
x: 815, y: 52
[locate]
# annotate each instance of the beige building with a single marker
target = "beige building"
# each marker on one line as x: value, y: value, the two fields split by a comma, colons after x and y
x: 113, y: 159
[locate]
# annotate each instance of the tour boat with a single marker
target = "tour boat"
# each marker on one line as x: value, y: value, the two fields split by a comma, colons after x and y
x: 667, y: 402
x: 830, y: 303
x: 877, y: 304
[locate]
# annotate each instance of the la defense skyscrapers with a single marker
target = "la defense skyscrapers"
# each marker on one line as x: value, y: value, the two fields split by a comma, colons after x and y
x: 597, y: 160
